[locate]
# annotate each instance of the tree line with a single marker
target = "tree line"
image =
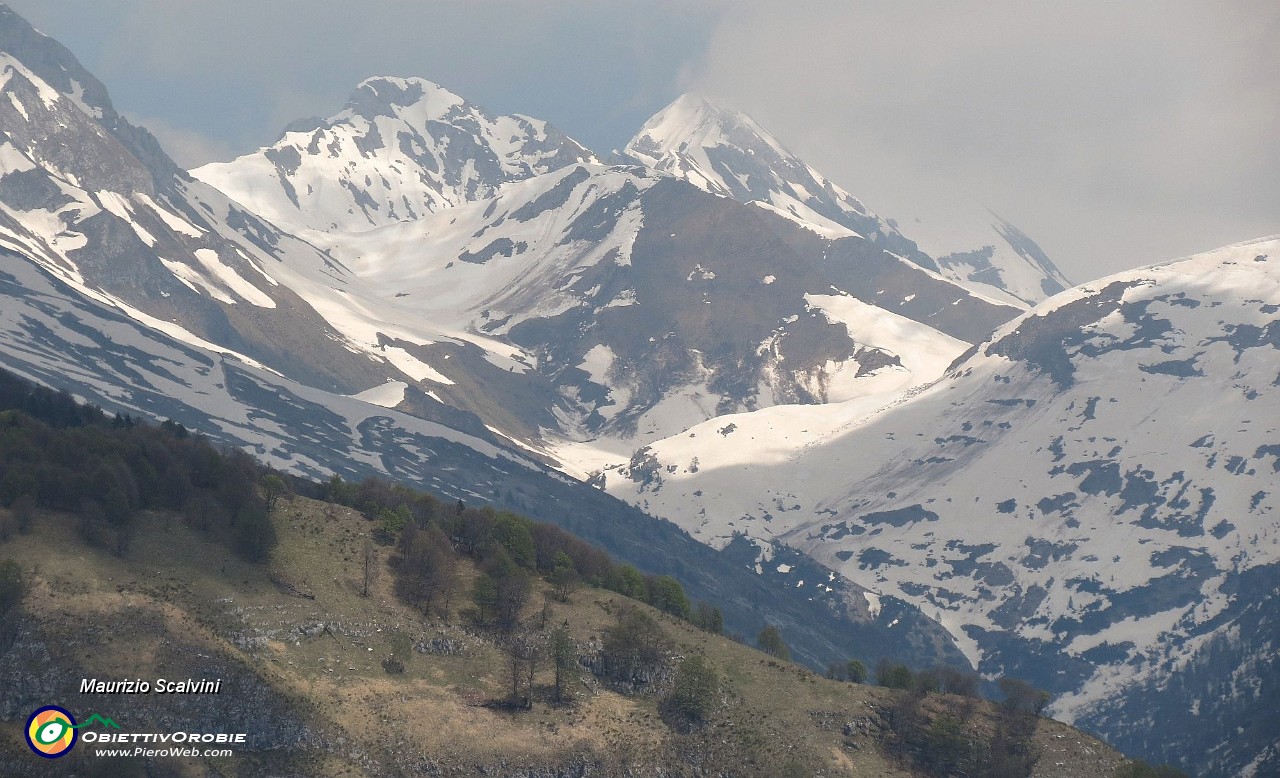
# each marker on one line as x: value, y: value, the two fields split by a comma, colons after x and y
x: 60, y: 455
x: 510, y: 550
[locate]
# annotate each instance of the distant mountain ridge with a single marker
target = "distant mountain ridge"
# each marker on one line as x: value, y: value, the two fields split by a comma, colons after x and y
x: 402, y: 148
x: 610, y: 298
x: 728, y: 153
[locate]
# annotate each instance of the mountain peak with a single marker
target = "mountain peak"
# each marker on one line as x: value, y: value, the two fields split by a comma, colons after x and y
x: 728, y: 153
x: 400, y: 149
x: 693, y: 107
x: 692, y: 122
x: 382, y: 95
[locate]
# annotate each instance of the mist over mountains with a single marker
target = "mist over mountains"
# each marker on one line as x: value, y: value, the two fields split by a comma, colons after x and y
x: 957, y: 458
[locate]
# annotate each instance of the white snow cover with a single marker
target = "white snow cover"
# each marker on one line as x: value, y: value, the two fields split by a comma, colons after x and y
x: 924, y: 352
x: 388, y: 395
x: 9, y: 65
x: 386, y: 159
x: 681, y: 139
x: 174, y: 221
x: 14, y: 161
x: 974, y: 464
x: 406, y: 280
x: 232, y: 280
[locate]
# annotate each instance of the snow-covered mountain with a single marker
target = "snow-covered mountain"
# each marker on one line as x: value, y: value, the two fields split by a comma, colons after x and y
x: 642, y: 305
x: 728, y: 153
x: 586, y: 309
x: 402, y: 148
x: 1087, y: 499
x: 977, y: 248
x: 96, y: 202
x: 537, y: 292
x: 129, y: 284
x: 716, y: 334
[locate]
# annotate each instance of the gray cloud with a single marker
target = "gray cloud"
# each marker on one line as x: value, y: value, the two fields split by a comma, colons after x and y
x: 239, y: 70
x: 1116, y: 134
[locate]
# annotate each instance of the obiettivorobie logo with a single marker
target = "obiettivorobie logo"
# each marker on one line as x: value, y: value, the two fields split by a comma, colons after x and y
x: 52, y: 731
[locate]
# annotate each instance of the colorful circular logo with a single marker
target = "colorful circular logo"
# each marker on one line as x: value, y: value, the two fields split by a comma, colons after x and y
x: 50, y: 732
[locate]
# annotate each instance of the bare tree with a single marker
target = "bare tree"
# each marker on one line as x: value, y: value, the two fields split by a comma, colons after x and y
x: 562, y: 657
x: 427, y: 566
x: 369, y: 565
x: 525, y: 649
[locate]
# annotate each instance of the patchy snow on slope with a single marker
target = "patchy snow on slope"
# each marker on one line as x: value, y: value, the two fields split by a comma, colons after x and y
x: 414, y: 367
x: 195, y: 281
x: 1093, y: 478
x: 727, y: 153
x: 9, y: 65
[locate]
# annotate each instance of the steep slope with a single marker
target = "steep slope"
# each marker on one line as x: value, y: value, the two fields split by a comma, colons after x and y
x: 727, y: 153
x: 402, y: 148
x: 138, y: 288
x: 977, y: 248
x: 632, y: 306
x: 51, y: 334
x: 303, y: 676
x: 1087, y: 499
x: 96, y: 201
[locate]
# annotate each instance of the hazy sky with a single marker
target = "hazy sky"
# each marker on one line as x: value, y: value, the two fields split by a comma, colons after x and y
x: 1114, y: 133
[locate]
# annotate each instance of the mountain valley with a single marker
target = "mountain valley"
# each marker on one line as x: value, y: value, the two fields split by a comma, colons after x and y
x: 886, y: 437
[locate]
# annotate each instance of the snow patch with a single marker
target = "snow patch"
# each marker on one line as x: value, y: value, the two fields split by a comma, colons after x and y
x: 232, y: 280
x: 19, y: 107
x: 174, y: 222
x: 414, y: 367
x: 387, y: 395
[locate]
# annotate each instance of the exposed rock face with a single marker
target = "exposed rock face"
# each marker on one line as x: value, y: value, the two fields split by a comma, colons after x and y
x: 401, y: 149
